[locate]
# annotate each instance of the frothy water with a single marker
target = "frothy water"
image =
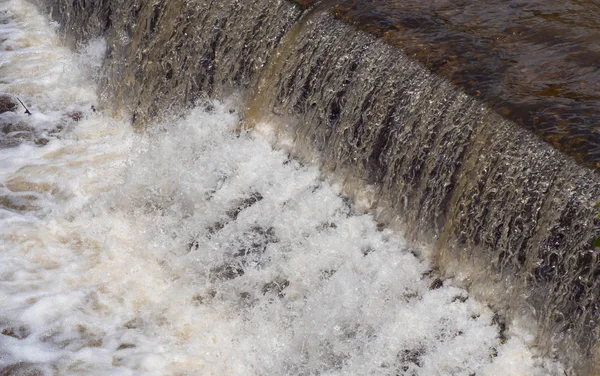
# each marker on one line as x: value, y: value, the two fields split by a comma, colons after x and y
x: 191, y: 250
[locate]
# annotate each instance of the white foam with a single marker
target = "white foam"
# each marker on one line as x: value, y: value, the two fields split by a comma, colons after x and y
x: 189, y: 250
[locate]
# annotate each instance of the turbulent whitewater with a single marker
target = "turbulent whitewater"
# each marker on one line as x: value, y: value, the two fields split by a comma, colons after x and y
x: 190, y: 249
x: 505, y: 212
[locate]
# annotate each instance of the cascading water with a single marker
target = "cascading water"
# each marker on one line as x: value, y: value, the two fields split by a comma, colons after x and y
x: 192, y: 249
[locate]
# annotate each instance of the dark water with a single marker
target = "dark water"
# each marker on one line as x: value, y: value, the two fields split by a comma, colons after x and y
x: 537, y: 62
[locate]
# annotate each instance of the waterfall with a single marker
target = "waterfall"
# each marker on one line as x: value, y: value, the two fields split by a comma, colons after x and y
x: 499, y: 209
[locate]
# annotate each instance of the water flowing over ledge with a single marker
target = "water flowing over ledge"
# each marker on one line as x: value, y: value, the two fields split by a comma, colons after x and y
x: 494, y: 200
x: 190, y: 249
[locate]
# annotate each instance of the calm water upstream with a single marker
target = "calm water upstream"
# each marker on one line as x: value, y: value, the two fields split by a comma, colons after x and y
x: 537, y: 62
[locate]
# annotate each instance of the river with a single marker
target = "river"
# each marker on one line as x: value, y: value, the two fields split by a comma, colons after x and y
x: 190, y: 249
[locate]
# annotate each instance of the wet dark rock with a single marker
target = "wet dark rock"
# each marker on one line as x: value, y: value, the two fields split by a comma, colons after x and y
x: 20, y: 136
x: 7, y: 143
x: 246, y: 296
x: 367, y: 250
x: 429, y: 273
x: 500, y: 321
x: 18, y: 203
x: 203, y: 298
x: 21, y: 185
x: 117, y: 360
x: 209, y: 108
x: 8, y: 103
x: 326, y: 226
x: 134, y: 323
x: 276, y: 287
x: 436, y: 284
x: 493, y: 353
x: 408, y: 296
x: 460, y: 298
x: 326, y: 274
x: 213, y: 229
x: 125, y: 346
x: 193, y: 244
x: 17, y: 127
x: 22, y: 369
x: 93, y: 337
x: 198, y: 299
x: 15, y: 133
x: 244, y: 204
x: 18, y: 331
x: 256, y: 240
x: 226, y: 272
x: 57, y: 129
x: 41, y: 141
x: 249, y: 253
x: 75, y: 115
x: 411, y: 358
x: 232, y: 214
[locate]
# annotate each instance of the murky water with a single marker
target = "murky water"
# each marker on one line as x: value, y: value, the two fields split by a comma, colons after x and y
x: 536, y: 62
x: 191, y: 250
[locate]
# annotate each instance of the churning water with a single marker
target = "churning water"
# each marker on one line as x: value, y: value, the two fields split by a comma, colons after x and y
x: 192, y: 250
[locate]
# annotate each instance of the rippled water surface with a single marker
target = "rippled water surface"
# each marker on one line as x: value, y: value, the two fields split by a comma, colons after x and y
x: 536, y: 62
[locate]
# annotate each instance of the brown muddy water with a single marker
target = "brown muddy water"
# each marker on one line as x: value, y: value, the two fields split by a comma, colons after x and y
x: 537, y: 62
